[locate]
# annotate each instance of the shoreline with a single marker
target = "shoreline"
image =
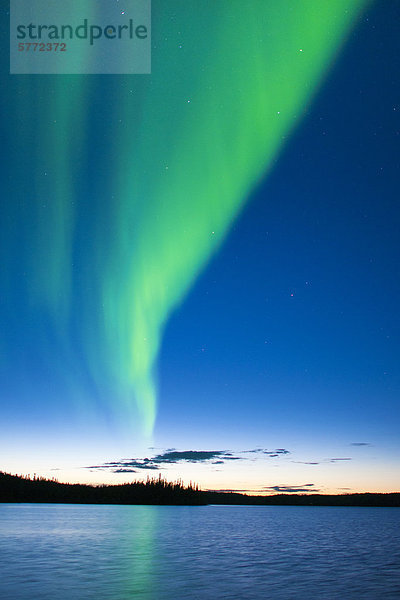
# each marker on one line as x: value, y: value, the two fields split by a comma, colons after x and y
x: 15, y: 489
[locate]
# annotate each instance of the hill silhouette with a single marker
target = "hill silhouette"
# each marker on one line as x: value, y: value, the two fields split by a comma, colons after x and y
x: 15, y: 488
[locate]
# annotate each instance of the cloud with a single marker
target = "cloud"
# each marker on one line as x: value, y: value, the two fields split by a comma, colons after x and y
x: 292, y: 489
x: 126, y: 466
x: 125, y: 471
x: 163, y: 460
x: 171, y: 456
x: 360, y: 444
x: 324, y: 461
x: 192, y: 456
x: 271, y: 453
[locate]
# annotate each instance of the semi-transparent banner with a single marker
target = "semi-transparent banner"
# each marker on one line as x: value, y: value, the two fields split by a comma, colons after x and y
x: 80, y: 36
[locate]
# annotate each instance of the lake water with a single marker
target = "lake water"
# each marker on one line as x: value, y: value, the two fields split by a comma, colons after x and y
x: 68, y: 552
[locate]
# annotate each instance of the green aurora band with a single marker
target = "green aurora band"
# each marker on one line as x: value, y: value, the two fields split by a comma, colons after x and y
x: 112, y: 248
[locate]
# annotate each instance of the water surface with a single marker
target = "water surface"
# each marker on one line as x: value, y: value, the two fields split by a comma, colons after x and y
x: 68, y: 552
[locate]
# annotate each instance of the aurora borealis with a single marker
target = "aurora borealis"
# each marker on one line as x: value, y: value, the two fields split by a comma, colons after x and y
x: 118, y: 190
x: 178, y: 176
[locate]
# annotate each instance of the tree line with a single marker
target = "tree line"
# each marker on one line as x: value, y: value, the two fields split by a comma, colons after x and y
x: 17, y: 488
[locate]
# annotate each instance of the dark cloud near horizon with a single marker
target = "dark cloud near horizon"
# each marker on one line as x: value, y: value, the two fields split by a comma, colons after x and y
x: 229, y: 491
x: 292, y: 489
x: 173, y: 457
x: 324, y: 461
x: 125, y: 471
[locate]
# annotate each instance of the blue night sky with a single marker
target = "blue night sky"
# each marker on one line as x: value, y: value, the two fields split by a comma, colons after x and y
x: 278, y: 364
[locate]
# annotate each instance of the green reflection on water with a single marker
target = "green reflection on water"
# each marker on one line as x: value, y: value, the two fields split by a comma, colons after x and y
x: 140, y: 583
